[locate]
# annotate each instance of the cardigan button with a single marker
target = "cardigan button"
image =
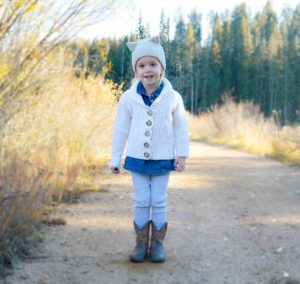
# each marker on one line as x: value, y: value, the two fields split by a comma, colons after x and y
x: 147, y: 133
x: 146, y: 145
x: 149, y: 112
x: 149, y: 122
x: 146, y: 154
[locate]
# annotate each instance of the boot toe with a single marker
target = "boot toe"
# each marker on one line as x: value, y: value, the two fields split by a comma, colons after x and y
x: 139, y: 255
x: 158, y: 259
x: 137, y: 259
x: 157, y: 254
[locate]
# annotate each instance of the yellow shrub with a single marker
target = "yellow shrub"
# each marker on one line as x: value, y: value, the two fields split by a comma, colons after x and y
x: 286, y: 151
x: 66, y: 126
x: 245, y: 127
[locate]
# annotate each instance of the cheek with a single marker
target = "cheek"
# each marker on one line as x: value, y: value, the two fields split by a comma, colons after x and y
x: 159, y: 70
x: 138, y: 73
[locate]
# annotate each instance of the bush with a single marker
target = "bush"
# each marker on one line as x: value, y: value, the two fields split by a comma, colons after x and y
x: 242, y: 125
x: 65, y: 127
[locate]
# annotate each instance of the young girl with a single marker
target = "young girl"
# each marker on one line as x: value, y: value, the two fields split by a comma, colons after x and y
x: 151, y: 119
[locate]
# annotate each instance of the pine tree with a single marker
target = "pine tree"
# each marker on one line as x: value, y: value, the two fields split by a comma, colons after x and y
x: 294, y: 50
x: 142, y: 31
x: 188, y: 60
x: 215, y: 60
x: 242, y: 50
x: 195, y: 20
x: 164, y: 34
x: 257, y: 71
x: 270, y: 34
x: 285, y: 73
x: 177, y: 75
x: 226, y: 54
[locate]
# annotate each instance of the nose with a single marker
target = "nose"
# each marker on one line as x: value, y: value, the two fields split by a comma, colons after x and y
x: 148, y: 68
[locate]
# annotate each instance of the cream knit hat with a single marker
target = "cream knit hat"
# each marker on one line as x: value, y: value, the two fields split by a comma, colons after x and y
x: 147, y: 47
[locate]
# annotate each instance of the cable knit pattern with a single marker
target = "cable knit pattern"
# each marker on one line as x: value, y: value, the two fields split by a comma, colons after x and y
x: 158, y: 132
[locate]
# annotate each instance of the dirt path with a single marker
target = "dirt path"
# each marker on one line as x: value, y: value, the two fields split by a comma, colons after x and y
x: 233, y: 218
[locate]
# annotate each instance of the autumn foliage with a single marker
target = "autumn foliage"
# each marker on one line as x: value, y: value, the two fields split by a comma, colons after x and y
x: 53, y: 122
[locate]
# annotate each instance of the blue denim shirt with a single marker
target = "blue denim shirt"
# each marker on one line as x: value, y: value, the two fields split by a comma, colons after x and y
x: 149, y: 167
x: 148, y: 100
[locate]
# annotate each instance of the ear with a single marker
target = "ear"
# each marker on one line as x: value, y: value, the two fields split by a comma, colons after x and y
x: 155, y: 39
x: 131, y: 45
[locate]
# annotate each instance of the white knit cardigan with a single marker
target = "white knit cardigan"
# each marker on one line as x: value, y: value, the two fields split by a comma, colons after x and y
x: 158, y: 132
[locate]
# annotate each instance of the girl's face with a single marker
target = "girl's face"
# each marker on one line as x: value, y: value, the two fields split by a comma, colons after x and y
x: 149, y: 71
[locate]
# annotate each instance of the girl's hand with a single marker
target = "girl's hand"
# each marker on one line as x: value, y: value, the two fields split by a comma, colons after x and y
x: 180, y: 164
x: 115, y: 170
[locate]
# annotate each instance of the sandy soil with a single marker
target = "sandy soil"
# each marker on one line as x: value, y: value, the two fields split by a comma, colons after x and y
x: 233, y: 218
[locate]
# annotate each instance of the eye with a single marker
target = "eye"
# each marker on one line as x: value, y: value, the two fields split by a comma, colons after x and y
x: 153, y: 64
x: 141, y: 65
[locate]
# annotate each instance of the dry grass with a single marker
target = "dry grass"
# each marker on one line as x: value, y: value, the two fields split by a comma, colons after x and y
x: 63, y: 128
x: 52, y: 123
x: 287, y: 147
x: 243, y: 126
x: 23, y: 189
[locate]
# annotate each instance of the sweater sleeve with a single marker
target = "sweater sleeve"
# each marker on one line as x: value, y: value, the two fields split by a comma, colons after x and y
x: 120, y: 133
x: 180, y: 126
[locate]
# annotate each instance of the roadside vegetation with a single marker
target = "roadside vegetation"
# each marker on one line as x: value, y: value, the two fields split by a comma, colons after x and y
x: 54, y: 119
x: 244, y: 126
x: 45, y: 151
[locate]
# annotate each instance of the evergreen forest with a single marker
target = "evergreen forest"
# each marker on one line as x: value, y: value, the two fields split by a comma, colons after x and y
x: 248, y: 57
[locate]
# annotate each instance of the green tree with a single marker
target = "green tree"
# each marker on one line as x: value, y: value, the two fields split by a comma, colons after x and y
x: 188, y: 64
x: 142, y: 30
x: 271, y: 41
x: 215, y: 61
x: 176, y: 57
x: 294, y: 60
x: 164, y: 34
x: 226, y: 54
x: 195, y: 20
x: 242, y: 50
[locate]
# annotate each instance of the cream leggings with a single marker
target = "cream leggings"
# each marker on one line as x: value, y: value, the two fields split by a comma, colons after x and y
x: 150, y: 196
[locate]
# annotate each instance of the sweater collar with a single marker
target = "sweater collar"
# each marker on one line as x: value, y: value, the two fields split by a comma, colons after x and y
x: 138, y: 98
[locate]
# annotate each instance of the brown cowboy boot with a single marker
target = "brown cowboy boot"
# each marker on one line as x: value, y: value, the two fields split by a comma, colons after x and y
x: 157, y: 251
x: 142, y: 239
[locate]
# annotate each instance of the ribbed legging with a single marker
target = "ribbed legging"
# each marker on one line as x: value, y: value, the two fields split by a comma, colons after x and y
x: 150, y: 192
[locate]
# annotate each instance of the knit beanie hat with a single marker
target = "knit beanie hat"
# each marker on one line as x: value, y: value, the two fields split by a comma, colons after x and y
x: 147, y: 47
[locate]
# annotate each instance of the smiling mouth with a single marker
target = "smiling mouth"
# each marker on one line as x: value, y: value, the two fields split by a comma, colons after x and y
x: 149, y: 77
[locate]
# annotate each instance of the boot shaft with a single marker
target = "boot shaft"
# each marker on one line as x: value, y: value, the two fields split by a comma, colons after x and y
x: 158, y: 235
x: 142, y: 241
x: 143, y: 233
x: 157, y: 251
